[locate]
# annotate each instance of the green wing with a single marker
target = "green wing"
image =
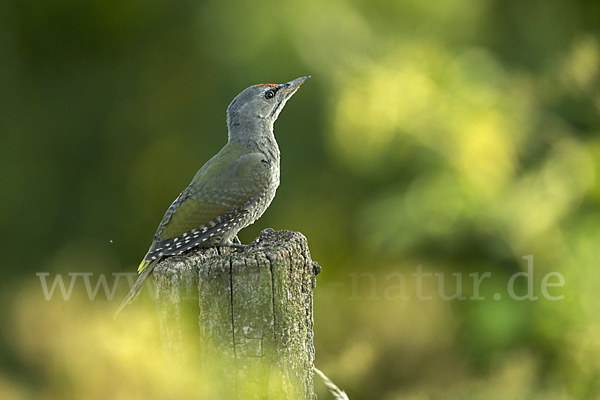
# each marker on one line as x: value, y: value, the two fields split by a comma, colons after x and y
x: 224, y: 184
x: 190, y: 214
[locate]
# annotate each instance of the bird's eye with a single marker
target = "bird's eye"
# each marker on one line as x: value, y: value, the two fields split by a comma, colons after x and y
x: 269, y: 94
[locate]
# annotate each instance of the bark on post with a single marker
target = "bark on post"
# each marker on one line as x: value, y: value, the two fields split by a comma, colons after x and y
x: 254, y: 312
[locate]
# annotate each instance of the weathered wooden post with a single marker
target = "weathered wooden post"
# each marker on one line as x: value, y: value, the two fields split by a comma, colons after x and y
x: 254, y: 313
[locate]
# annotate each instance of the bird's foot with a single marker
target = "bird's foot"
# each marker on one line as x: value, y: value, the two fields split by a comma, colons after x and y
x: 236, y: 244
x: 239, y: 247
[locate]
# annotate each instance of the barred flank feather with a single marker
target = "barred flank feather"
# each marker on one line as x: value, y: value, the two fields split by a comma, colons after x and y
x: 208, y: 235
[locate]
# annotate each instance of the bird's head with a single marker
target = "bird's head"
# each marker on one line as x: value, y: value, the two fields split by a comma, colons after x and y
x: 261, y: 103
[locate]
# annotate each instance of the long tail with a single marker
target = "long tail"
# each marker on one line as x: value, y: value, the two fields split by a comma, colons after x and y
x: 144, y: 270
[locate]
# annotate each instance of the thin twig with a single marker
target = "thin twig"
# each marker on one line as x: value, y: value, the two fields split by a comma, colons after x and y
x: 337, y: 393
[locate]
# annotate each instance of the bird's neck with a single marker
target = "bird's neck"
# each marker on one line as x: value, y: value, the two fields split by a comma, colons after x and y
x: 256, y: 135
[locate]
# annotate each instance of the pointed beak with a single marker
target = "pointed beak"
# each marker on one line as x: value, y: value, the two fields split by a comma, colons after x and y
x: 290, y: 88
x: 297, y: 82
x: 284, y: 92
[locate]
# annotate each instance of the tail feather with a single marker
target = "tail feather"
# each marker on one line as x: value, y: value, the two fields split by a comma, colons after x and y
x: 143, y: 265
x: 144, y: 270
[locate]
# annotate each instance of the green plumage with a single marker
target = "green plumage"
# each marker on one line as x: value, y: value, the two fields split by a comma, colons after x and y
x: 225, y: 183
x: 232, y: 189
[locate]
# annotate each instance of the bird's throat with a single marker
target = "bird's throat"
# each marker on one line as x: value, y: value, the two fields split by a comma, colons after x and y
x: 256, y: 135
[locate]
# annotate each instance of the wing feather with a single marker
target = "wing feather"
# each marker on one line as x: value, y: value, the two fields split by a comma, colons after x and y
x: 220, y: 194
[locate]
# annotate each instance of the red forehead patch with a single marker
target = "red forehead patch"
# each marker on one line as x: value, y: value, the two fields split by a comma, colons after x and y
x: 266, y: 84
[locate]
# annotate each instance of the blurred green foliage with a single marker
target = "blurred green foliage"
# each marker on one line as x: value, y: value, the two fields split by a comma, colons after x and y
x: 460, y: 135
